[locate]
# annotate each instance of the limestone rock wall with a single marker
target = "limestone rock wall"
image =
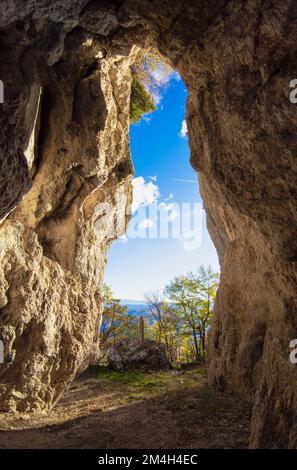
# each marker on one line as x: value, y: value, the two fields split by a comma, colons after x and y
x: 243, y: 141
x: 64, y: 133
x: 73, y: 142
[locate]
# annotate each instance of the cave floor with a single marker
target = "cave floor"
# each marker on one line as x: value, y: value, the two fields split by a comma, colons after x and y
x: 104, y: 410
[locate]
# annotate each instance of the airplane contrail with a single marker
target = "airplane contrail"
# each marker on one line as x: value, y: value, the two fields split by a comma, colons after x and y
x: 184, y: 180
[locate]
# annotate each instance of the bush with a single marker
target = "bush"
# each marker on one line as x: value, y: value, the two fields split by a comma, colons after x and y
x: 141, y: 102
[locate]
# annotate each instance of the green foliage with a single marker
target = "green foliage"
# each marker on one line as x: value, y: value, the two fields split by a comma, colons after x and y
x: 128, y: 377
x: 150, y: 74
x: 193, y: 298
x: 181, y: 322
x: 179, y: 318
x: 164, y: 324
x: 141, y: 102
x: 112, y: 317
x: 116, y: 323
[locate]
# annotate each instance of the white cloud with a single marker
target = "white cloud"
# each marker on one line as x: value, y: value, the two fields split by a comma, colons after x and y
x: 160, y: 78
x: 169, y: 198
x: 173, y: 215
x: 146, y: 223
x: 122, y: 239
x: 146, y: 119
x: 161, y: 75
x: 184, y: 129
x: 188, y: 235
x: 172, y: 210
x: 167, y: 207
x: 153, y: 178
x: 143, y: 193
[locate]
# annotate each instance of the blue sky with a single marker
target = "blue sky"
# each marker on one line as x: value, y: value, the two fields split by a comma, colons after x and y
x: 160, y: 154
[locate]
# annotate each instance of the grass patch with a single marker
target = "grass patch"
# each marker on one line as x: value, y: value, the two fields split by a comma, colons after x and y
x: 202, y: 371
x: 127, y: 377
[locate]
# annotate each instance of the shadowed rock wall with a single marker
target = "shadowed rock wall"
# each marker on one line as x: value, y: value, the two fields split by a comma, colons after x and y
x: 70, y: 135
x: 64, y: 131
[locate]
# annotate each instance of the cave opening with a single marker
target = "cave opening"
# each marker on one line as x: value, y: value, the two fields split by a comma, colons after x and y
x: 54, y: 239
x: 167, y: 243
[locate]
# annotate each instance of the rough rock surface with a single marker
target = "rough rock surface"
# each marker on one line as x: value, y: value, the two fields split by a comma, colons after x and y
x: 69, y: 61
x: 54, y: 244
x: 130, y: 354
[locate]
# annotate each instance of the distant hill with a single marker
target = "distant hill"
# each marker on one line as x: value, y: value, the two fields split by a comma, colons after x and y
x: 135, y: 307
x: 132, y: 302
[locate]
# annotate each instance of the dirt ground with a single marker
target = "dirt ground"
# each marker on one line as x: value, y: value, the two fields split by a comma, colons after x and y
x: 114, y: 410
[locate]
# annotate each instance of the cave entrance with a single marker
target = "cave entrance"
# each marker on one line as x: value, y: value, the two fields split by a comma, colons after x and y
x: 243, y: 128
x: 166, y: 258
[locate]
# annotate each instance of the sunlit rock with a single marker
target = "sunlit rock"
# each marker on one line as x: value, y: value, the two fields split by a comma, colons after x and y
x: 237, y: 60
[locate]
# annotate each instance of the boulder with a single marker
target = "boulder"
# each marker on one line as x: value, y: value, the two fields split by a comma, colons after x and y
x: 130, y: 354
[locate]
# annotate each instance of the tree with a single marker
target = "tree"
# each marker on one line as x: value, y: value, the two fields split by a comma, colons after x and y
x: 151, y: 70
x: 141, y: 102
x: 149, y: 74
x: 154, y: 301
x: 115, y: 323
x: 165, y: 323
x: 193, y: 298
x: 179, y: 317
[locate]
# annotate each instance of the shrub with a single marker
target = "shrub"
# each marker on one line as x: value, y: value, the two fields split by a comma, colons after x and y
x: 141, y: 102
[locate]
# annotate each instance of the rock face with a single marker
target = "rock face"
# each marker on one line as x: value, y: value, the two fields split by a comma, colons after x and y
x: 130, y: 354
x: 64, y: 134
x: 54, y: 244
